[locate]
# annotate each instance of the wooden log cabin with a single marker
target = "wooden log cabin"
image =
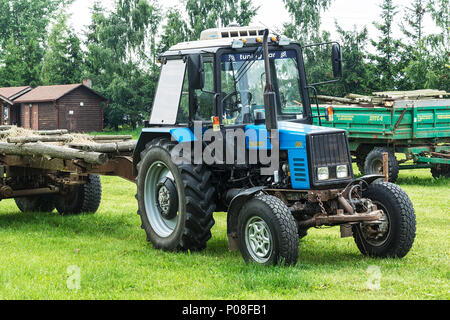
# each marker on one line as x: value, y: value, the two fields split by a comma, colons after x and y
x: 75, y: 107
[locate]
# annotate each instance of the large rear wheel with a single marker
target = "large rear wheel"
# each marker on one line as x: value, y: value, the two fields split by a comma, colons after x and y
x: 176, y: 202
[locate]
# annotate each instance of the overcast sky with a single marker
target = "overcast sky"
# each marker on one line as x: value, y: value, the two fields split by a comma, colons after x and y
x: 348, y: 13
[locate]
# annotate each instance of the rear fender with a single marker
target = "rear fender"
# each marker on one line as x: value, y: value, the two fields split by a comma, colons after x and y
x: 149, y: 134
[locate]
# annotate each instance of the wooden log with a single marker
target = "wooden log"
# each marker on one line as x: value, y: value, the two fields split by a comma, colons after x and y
x: 123, y: 137
x: 113, y: 147
x: 52, y: 152
x: 39, y: 138
x: 336, y: 99
x: 51, y: 132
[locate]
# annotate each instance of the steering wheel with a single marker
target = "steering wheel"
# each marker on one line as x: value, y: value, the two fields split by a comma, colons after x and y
x: 228, y: 103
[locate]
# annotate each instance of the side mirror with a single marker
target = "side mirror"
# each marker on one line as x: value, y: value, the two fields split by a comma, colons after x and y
x: 196, y: 72
x: 336, y: 60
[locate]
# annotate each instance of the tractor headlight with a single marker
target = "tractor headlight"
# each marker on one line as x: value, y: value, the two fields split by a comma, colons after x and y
x: 323, y: 173
x: 342, y: 171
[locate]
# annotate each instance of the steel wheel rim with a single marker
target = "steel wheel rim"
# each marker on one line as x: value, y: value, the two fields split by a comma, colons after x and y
x: 258, y: 239
x: 377, y: 166
x: 157, y: 172
x: 385, y: 226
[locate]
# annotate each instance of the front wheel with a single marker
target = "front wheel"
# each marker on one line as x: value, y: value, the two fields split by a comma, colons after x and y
x: 267, y: 232
x: 394, y: 236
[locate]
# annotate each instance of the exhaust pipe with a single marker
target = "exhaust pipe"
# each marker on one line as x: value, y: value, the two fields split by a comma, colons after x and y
x: 270, y: 101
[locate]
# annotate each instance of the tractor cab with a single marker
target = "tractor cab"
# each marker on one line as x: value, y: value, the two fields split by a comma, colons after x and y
x: 225, y: 75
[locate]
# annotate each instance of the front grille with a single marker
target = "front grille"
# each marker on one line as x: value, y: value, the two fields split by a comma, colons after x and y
x: 329, y: 150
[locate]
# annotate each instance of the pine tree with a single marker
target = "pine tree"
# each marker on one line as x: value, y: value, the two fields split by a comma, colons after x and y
x: 387, y: 59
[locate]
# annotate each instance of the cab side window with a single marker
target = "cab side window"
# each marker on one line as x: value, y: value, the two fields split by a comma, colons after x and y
x: 183, y: 110
x: 205, y: 99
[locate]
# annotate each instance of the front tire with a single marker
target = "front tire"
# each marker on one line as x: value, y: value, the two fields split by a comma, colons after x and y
x: 267, y: 232
x: 394, y: 237
x: 189, y: 227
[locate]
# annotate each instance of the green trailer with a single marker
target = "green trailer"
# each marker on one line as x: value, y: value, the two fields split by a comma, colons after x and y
x: 418, y: 128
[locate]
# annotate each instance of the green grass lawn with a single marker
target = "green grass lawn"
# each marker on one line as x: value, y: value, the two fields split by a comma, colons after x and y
x: 116, y: 262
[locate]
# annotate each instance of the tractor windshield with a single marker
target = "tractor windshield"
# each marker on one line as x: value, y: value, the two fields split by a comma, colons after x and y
x: 243, y: 83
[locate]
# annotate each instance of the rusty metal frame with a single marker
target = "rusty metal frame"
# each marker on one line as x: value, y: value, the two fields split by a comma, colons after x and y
x: 121, y: 166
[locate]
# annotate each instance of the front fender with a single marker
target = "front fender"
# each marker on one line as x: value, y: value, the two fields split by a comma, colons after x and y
x: 234, y: 208
x: 370, y: 178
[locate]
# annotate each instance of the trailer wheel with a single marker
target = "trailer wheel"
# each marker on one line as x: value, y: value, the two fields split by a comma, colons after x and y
x: 36, y: 203
x: 395, y: 235
x: 374, y: 163
x: 267, y: 232
x: 440, y: 170
x: 361, y: 155
x: 176, y: 202
x: 85, y: 198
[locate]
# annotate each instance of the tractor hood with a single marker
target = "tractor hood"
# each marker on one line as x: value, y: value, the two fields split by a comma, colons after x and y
x: 291, y: 135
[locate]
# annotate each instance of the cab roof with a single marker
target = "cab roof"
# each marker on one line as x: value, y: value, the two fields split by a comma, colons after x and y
x: 212, y: 40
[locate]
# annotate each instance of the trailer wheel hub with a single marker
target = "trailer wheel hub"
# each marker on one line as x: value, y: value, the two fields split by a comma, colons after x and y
x: 167, y: 199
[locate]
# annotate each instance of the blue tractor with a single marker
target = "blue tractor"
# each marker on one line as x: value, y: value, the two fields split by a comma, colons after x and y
x: 231, y: 131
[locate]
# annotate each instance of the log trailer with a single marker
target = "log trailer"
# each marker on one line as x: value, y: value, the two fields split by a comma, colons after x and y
x: 41, y: 175
x: 222, y: 138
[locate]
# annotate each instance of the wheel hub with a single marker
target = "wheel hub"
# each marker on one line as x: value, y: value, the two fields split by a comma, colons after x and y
x: 167, y: 199
x: 377, y: 234
x: 258, y: 239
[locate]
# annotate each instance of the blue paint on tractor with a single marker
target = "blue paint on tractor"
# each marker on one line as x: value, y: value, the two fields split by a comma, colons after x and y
x: 292, y: 138
x: 179, y: 134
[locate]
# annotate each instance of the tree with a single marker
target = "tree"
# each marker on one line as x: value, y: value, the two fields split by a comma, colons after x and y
x: 23, y: 33
x: 440, y: 11
x: 306, y: 14
x: 63, y: 59
x: 426, y: 58
x: 174, y: 21
x: 387, y: 61
x: 413, y: 19
x: 357, y: 72
x: 120, y: 58
x: 204, y: 14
